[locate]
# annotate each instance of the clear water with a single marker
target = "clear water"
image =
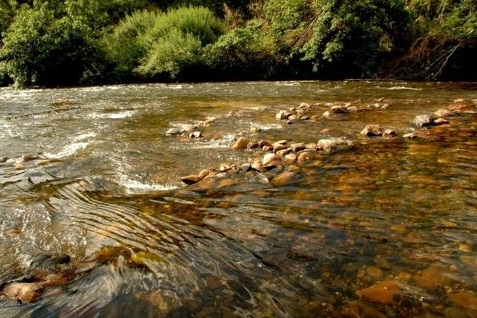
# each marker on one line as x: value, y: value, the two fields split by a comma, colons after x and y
x: 91, y: 173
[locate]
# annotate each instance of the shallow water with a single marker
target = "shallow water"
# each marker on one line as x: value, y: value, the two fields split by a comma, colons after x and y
x: 382, y: 228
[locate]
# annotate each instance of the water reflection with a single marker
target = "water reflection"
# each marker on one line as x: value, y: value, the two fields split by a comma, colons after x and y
x: 385, y: 227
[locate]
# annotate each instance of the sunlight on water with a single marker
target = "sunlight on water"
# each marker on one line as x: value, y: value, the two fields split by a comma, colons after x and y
x: 96, y: 222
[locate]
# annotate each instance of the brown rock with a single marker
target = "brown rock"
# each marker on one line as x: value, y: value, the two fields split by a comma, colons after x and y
x: 270, y: 159
x: 339, y: 110
x: 462, y: 105
x: 290, y: 158
x: 441, y: 121
x: 443, y: 113
x: 296, y: 147
x: 279, y: 145
x: 265, y: 143
x: 305, y: 157
x: 22, y: 292
x: 465, y: 299
x: 372, y: 131
x: 386, y: 292
x: 282, y: 115
x: 241, y: 143
x: 389, y: 133
x: 191, y: 179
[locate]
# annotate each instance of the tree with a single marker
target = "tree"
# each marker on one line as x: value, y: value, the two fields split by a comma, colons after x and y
x: 347, y: 38
x: 41, y: 49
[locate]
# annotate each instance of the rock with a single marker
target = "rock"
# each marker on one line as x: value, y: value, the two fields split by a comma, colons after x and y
x: 245, y: 166
x: 331, y: 144
x: 304, y: 106
x: 282, y: 115
x: 386, y: 292
x: 284, y: 178
x: 290, y: 158
x: 465, y: 299
x: 283, y: 152
x: 257, y: 165
x: 410, y: 135
x: 326, y: 114
x: 305, y: 158
x: 296, y: 147
x: 22, y: 292
x: 462, y: 105
x: 389, y: 133
x: 270, y: 159
x: 241, y: 143
x: 191, y: 179
x: 204, y: 173
x: 265, y: 143
x: 441, y: 121
x: 339, y: 110
x: 195, y: 134
x: 253, y: 144
x: 279, y: 145
x: 443, y: 113
x: 372, y: 131
x: 173, y: 131
x: 423, y: 120
x: 435, y: 276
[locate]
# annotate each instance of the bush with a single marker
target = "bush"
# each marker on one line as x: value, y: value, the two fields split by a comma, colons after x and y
x: 150, y: 45
x: 43, y: 50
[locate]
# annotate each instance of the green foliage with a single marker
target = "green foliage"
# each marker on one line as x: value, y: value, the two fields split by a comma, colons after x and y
x: 349, y: 36
x: 7, y: 13
x: 125, y: 45
x: 162, y: 44
x: 40, y: 49
x: 243, y: 52
x: 286, y: 16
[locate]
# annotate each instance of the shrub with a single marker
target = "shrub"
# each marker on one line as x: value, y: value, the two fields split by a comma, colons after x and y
x: 149, y: 45
x: 41, y: 49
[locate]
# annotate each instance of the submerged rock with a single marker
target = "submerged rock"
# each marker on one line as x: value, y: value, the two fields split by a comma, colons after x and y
x: 462, y: 105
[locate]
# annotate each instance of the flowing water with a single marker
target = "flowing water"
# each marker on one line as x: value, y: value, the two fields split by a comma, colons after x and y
x: 94, y: 214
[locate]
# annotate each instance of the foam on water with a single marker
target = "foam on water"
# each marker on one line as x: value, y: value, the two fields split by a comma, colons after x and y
x: 68, y: 151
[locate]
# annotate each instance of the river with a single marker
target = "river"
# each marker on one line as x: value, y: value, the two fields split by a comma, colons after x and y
x: 96, y: 221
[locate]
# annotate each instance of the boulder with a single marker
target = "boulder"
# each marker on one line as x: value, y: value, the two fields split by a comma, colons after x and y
x: 423, y: 120
x: 372, y: 131
x: 241, y: 143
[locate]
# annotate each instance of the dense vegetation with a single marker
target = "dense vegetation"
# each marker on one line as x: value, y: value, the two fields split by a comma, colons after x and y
x: 78, y: 42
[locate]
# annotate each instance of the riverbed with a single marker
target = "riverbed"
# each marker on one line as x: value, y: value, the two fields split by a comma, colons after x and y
x: 96, y: 218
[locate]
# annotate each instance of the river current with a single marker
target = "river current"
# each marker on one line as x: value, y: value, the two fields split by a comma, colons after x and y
x: 94, y: 215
